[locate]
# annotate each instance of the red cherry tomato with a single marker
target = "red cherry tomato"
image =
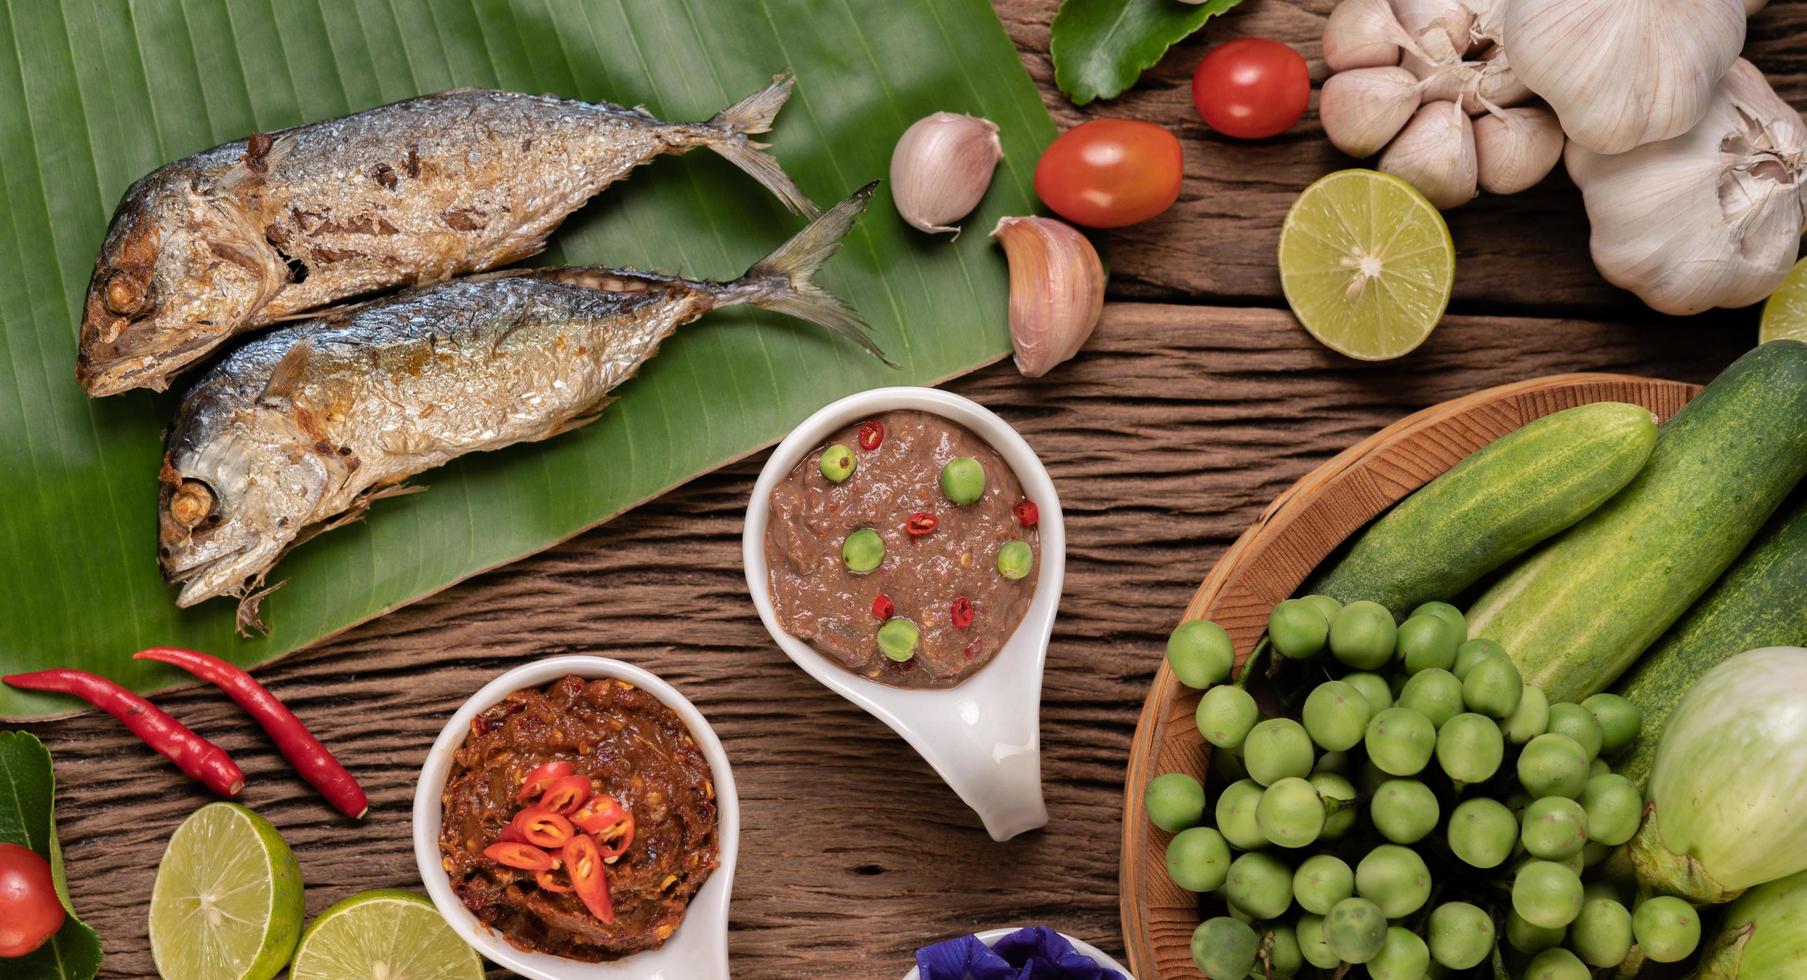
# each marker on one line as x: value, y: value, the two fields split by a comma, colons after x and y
x: 30, y: 912
x: 1108, y: 173
x: 1251, y: 88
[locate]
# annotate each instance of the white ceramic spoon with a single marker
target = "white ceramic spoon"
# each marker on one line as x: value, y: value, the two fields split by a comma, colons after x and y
x: 982, y: 736
x: 697, y: 951
x: 990, y: 937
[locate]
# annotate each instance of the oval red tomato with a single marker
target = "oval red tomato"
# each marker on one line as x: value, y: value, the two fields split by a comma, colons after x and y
x: 1251, y: 88
x: 30, y: 912
x: 1108, y: 173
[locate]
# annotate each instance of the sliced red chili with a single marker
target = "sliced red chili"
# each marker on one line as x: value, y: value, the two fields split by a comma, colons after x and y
x: 882, y: 607
x: 539, y: 779
x: 566, y: 794
x: 584, y: 860
x: 525, y: 857
x: 600, y: 813
x: 548, y: 882
x: 920, y: 523
x: 615, y: 841
x: 511, y: 833
x: 1027, y: 514
x: 961, y: 613
x: 871, y: 434
x: 972, y: 649
x: 542, y: 828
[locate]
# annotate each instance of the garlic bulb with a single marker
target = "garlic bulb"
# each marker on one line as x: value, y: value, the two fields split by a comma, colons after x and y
x: 1516, y: 148
x: 1452, y: 18
x: 1495, y: 85
x: 1622, y: 73
x: 941, y: 167
x: 1436, y: 154
x: 1363, y: 34
x: 1710, y: 218
x: 1056, y: 290
x: 1363, y: 109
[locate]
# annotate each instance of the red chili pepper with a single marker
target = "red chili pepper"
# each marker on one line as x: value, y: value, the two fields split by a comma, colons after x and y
x: 961, y: 612
x: 524, y: 857
x: 617, y: 839
x: 871, y: 434
x: 921, y: 523
x: 542, y: 828
x: 584, y: 860
x: 548, y: 883
x: 566, y: 794
x: 200, y: 759
x: 882, y: 607
x: 539, y: 779
x: 600, y: 812
x: 510, y: 834
x: 305, y: 753
x: 972, y: 649
x: 1027, y: 514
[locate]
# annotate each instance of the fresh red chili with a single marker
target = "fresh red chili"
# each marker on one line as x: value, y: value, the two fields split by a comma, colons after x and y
x: 547, y: 882
x: 599, y: 812
x: 882, y: 607
x: 583, y: 859
x: 511, y: 834
x: 1027, y: 514
x: 920, y: 523
x: 615, y: 841
x: 542, y: 828
x: 566, y: 794
x: 200, y: 759
x: 542, y: 777
x: 524, y: 857
x: 961, y: 613
x: 305, y: 753
x: 872, y: 433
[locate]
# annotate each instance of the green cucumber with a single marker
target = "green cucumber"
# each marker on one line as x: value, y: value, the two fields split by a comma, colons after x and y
x: 1493, y: 506
x: 1761, y: 601
x: 1576, y: 612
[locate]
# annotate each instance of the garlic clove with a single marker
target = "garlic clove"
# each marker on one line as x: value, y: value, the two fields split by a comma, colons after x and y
x: 1365, y: 108
x: 1435, y: 153
x: 941, y: 168
x: 1440, y: 67
x: 1622, y: 73
x: 1056, y: 290
x: 1489, y: 21
x: 1516, y: 148
x: 1495, y: 85
x: 1362, y: 34
x: 1451, y: 18
x: 1709, y: 218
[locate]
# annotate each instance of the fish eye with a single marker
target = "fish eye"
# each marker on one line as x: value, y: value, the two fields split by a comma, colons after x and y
x: 124, y: 294
x: 192, y: 502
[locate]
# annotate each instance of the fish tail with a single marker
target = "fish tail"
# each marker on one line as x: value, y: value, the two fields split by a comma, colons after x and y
x: 782, y: 281
x: 727, y: 134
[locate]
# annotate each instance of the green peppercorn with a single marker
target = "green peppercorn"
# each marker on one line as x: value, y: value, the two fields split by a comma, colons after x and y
x: 963, y: 480
x: 1015, y: 559
x: 863, y: 551
x: 837, y: 463
x: 897, y: 639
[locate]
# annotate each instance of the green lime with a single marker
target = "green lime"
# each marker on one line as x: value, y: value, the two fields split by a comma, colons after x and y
x: 1785, y: 315
x: 1367, y: 264
x: 227, y: 901
x: 387, y: 934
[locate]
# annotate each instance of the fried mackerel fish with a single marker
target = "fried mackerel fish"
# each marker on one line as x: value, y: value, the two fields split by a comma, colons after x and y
x: 296, y: 432
x: 270, y: 227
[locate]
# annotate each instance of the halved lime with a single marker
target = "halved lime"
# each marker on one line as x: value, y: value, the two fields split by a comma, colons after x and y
x: 227, y: 902
x: 1785, y: 315
x: 1366, y: 264
x: 385, y: 934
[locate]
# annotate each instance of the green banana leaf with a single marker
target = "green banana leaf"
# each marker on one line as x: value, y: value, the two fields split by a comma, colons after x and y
x: 99, y: 92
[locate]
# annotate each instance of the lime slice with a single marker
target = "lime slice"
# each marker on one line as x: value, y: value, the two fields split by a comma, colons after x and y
x: 227, y: 902
x: 384, y: 935
x: 1367, y: 264
x: 1785, y: 315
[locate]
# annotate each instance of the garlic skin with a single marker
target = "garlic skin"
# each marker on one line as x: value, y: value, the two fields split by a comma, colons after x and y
x: 1516, y: 148
x: 1056, y: 290
x: 1363, y: 34
x: 1363, y: 109
x: 1710, y: 218
x: 1435, y: 153
x: 1496, y: 85
x: 1623, y: 73
x: 941, y: 168
x: 1452, y: 18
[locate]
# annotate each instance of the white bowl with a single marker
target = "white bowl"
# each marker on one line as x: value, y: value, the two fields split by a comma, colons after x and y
x: 983, y: 736
x: 699, y: 949
x: 990, y: 937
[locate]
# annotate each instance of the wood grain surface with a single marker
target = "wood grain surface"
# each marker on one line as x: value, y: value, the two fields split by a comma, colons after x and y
x: 1196, y: 403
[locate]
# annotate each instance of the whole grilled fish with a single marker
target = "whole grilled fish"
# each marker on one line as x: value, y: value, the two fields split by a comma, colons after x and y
x: 297, y: 431
x: 275, y: 225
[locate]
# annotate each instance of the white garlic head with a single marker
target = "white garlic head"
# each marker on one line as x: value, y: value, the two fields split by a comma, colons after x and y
x: 1516, y: 148
x: 1362, y: 110
x: 941, y: 168
x: 1435, y: 153
x: 1622, y: 73
x: 1709, y: 218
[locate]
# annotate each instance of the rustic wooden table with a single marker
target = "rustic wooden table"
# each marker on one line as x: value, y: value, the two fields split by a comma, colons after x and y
x: 1197, y: 401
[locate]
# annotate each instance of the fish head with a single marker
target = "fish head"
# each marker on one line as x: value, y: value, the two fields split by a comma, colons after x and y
x: 182, y: 268
x: 234, y: 497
